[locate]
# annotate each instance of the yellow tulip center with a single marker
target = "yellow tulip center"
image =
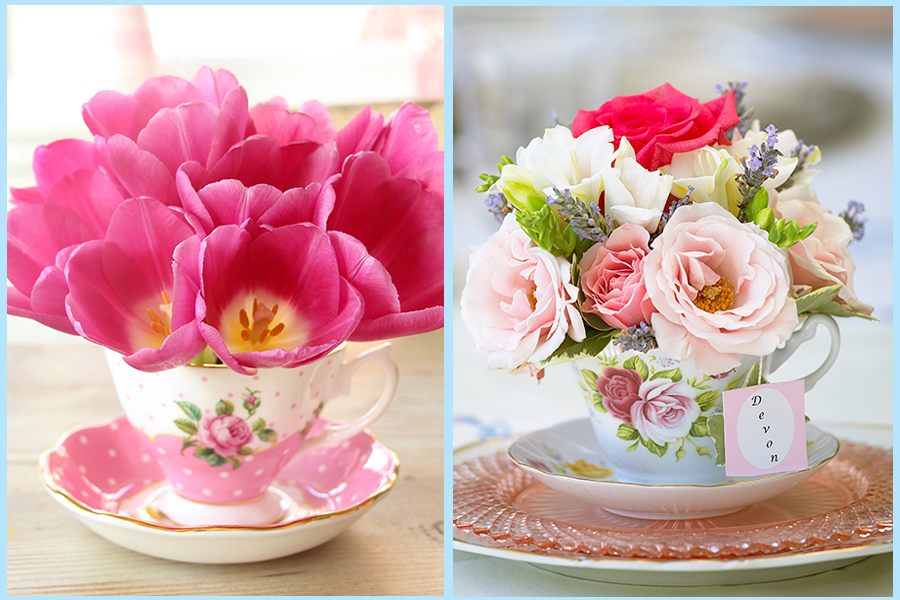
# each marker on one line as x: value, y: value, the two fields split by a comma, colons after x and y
x: 254, y: 324
x: 161, y: 322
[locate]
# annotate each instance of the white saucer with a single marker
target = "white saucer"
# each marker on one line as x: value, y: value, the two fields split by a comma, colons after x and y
x: 545, y: 452
x: 99, y: 473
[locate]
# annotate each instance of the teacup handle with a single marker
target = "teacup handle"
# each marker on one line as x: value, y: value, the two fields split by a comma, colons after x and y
x: 806, y: 332
x: 332, y: 434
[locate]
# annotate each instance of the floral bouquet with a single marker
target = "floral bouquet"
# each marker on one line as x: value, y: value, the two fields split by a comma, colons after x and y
x: 657, y: 221
x: 195, y: 228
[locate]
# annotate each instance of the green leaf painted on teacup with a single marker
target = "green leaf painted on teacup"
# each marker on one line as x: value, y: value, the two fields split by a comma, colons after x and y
x: 235, y: 462
x: 733, y: 384
x: 653, y: 447
x: 224, y: 407
x: 245, y: 450
x: 706, y: 400
x: 815, y: 298
x: 569, y: 350
x: 633, y: 447
x: 188, y: 442
x: 597, y: 401
x: 627, y: 432
x: 191, y: 410
x: 716, y: 425
x: 210, y: 456
x: 258, y: 425
x: 699, y: 428
x: 186, y: 425
x: 636, y: 364
x: 590, y: 378
x: 267, y: 435
x: 672, y: 374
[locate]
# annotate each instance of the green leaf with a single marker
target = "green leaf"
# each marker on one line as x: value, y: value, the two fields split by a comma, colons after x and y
x: 716, y: 425
x: 816, y: 298
x: 673, y: 374
x: 754, y: 376
x: 633, y: 447
x: 547, y: 230
x: 245, y: 450
x: 215, y: 460
x: 235, y: 462
x: 765, y: 218
x: 590, y: 377
x: 733, y: 384
x: 636, y: 364
x: 224, y: 407
x: 267, y: 435
x: 836, y: 310
x: 654, y: 447
x: 258, y: 425
x: 707, y: 400
x: 597, y: 401
x: 627, y: 432
x: 186, y: 425
x: 699, y: 428
x: 191, y: 410
x: 572, y: 350
x: 187, y: 444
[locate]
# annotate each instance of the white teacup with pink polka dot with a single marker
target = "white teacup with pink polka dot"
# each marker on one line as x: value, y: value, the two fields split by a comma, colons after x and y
x: 221, y: 437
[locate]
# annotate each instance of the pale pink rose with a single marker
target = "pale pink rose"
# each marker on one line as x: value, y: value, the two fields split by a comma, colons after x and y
x: 701, y: 244
x: 519, y: 302
x: 226, y: 434
x: 665, y: 411
x: 612, y: 278
x: 822, y: 259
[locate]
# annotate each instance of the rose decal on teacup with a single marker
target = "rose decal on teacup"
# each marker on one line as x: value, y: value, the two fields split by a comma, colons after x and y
x: 223, y: 439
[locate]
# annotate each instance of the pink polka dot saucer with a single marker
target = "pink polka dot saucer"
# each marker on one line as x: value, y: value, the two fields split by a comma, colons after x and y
x: 104, y: 476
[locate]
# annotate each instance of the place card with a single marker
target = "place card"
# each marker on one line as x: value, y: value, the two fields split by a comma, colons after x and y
x: 765, y: 429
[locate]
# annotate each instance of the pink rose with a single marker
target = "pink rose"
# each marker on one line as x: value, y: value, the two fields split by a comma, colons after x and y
x: 821, y: 259
x: 662, y: 122
x: 612, y: 278
x: 519, y: 302
x: 619, y: 389
x: 665, y: 411
x: 226, y: 434
x: 720, y: 289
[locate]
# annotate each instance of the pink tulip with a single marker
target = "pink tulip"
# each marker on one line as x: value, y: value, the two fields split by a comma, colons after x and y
x: 122, y: 293
x: 401, y: 224
x: 72, y: 203
x: 278, y: 299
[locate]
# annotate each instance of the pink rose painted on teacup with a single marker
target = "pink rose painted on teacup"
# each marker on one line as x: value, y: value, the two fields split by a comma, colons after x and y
x: 665, y: 410
x: 225, y: 434
x: 720, y: 289
x: 619, y: 389
x: 519, y: 302
x: 612, y: 278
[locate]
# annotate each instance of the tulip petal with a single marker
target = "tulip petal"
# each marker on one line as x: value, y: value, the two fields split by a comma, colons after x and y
x: 214, y: 86
x: 180, y: 134
x: 140, y: 172
x: 408, y: 134
x: 230, y: 127
x: 399, y: 324
x: 109, y: 113
x: 255, y: 160
x: 359, y: 134
x: 367, y: 275
x: 305, y: 163
x: 311, y: 204
x: 63, y: 157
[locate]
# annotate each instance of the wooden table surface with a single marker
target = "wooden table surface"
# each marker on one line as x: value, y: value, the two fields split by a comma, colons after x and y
x: 394, y: 549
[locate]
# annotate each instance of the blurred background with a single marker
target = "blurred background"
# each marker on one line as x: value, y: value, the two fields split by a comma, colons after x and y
x: 344, y: 56
x: 825, y: 72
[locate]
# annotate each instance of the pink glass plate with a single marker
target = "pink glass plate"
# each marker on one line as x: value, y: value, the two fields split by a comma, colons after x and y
x: 104, y: 476
x: 847, y: 503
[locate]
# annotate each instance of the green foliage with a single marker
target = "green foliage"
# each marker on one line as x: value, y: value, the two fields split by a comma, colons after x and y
x: 707, y: 400
x: 593, y: 344
x: 672, y: 374
x: 547, y: 230
x: 627, y: 432
x: 186, y: 425
x: 716, y: 425
x: 224, y: 407
x: 189, y: 409
x: 699, y: 428
x: 489, y: 179
x: 636, y: 364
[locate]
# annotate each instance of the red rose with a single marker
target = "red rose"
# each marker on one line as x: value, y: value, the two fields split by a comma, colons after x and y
x: 662, y: 122
x: 619, y: 388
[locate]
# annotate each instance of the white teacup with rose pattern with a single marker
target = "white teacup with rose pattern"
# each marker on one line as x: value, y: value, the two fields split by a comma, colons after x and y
x: 221, y: 437
x: 649, y: 412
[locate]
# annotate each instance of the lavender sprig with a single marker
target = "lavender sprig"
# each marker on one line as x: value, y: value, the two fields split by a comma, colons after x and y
x: 683, y: 201
x: 498, y: 205
x: 638, y: 337
x: 586, y: 220
x: 851, y: 215
x: 743, y: 113
x: 759, y: 167
x: 801, y: 153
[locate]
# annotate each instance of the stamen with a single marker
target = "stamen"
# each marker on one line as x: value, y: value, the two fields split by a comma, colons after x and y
x: 257, y: 328
x: 716, y: 297
x: 531, y: 299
